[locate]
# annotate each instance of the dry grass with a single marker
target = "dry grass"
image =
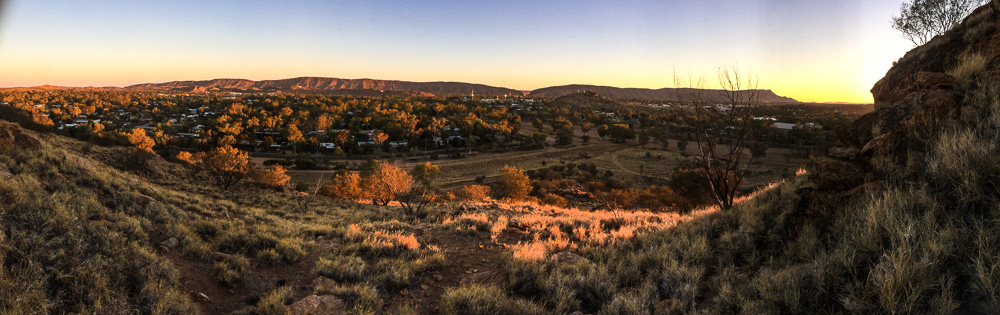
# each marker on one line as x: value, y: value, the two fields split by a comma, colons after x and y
x: 968, y: 69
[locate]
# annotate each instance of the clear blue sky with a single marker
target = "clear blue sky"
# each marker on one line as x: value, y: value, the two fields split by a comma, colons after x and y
x: 809, y: 50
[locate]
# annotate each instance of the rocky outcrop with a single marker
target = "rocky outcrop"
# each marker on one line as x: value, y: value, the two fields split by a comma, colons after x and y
x: 893, y: 130
x: 975, y: 35
x: 12, y: 139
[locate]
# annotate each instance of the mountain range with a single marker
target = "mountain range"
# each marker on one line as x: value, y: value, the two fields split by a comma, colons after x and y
x: 373, y: 87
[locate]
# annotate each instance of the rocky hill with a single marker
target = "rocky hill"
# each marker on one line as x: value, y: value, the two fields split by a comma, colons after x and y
x: 316, y: 84
x: 656, y: 95
x: 589, y: 100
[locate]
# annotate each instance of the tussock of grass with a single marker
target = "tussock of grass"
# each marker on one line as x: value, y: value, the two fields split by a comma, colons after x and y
x: 273, y: 303
x: 968, y: 69
x: 342, y: 268
x: 477, y: 299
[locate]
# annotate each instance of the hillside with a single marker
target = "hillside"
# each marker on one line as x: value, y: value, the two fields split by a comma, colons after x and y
x: 586, y: 100
x: 331, y: 85
x: 657, y: 95
x: 903, y: 216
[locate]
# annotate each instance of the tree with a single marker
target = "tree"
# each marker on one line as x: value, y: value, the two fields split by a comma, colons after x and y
x: 227, y: 165
x: 379, y: 139
x: 682, y: 145
x: 921, y: 20
x: 425, y: 173
x: 758, y: 148
x: 342, y: 137
x: 538, y: 124
x: 585, y: 127
x: 644, y: 137
x: 514, y: 184
x: 386, y: 183
x: 620, y: 133
x: 295, y: 136
x: 564, y: 136
x: 139, y: 139
x: 722, y: 128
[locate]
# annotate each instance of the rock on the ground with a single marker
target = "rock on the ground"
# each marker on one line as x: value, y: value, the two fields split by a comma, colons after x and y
x: 316, y: 305
x: 170, y: 243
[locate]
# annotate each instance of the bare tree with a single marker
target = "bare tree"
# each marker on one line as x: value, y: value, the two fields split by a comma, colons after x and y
x: 723, y: 122
x: 921, y: 20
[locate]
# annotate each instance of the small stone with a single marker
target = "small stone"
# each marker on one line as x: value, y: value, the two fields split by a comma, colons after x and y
x: 424, y: 287
x: 203, y: 297
x: 438, y: 278
x: 170, y: 243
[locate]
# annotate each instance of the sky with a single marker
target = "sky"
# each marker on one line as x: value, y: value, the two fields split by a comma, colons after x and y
x: 816, y: 51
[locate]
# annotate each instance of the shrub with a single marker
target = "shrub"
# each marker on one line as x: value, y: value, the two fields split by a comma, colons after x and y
x: 344, y: 185
x: 620, y: 198
x: 274, y: 302
x: 968, y: 69
x: 274, y: 176
x: 342, y: 268
x: 514, y: 184
x: 472, y: 193
x: 554, y: 200
x: 227, y: 165
x: 190, y: 159
x: 231, y: 269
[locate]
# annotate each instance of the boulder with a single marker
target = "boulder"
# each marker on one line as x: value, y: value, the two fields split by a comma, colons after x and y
x: 845, y: 153
x: 317, y: 305
x: 859, y: 132
x: 830, y: 174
